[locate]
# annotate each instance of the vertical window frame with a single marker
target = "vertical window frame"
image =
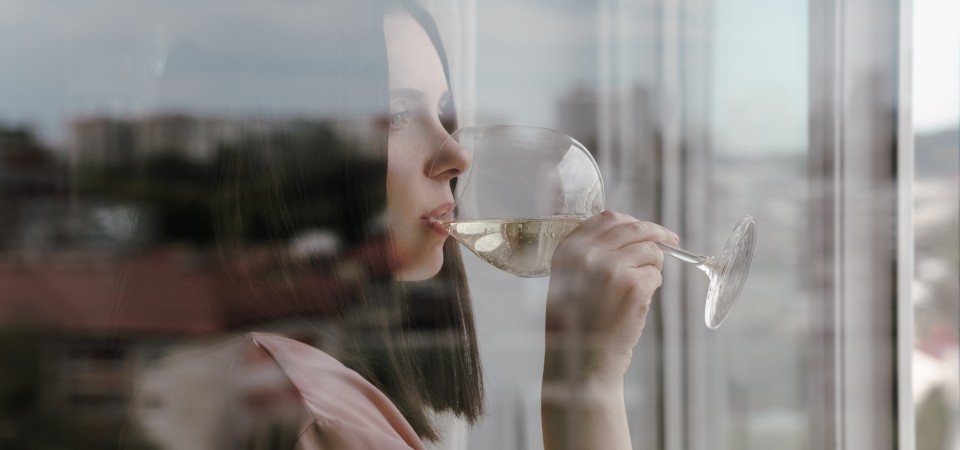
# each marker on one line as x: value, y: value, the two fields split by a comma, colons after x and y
x: 861, y: 152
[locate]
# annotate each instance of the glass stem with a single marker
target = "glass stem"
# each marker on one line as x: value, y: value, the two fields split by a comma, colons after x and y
x: 682, y: 254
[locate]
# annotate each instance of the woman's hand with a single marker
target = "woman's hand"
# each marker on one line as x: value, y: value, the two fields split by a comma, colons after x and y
x: 603, y: 276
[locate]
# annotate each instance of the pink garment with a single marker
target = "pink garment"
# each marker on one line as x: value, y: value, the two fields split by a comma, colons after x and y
x: 348, y: 411
x: 262, y: 390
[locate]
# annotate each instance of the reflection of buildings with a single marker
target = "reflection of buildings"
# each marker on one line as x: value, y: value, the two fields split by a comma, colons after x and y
x: 85, y: 293
x: 103, y: 140
x: 577, y: 116
x: 100, y: 140
x: 621, y: 130
x: 936, y: 288
x: 97, y: 337
x: 99, y: 332
x: 91, y: 341
x: 91, y: 297
x: 627, y: 123
x: 27, y: 168
x: 28, y: 173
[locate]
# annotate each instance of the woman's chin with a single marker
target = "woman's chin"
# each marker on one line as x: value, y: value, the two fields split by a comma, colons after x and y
x: 423, y: 269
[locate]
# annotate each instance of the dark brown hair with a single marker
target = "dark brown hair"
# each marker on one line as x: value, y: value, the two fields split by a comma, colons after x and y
x: 414, y: 341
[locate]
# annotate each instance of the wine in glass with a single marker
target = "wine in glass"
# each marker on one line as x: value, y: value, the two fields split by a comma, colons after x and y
x: 528, y: 187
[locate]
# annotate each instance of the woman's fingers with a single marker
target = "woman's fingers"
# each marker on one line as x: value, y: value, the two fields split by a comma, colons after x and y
x: 602, y: 222
x: 619, y: 240
x: 631, y: 232
x: 613, y: 230
x: 604, y: 275
x: 639, y: 254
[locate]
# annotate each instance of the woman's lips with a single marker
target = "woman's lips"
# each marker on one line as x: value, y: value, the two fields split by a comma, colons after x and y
x: 434, y: 225
x: 433, y: 219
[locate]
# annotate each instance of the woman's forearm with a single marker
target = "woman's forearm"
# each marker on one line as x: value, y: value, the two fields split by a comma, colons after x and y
x: 584, y: 415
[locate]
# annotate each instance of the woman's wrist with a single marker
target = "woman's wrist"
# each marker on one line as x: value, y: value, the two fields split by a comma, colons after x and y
x: 589, y: 412
x: 577, y: 361
x: 586, y: 392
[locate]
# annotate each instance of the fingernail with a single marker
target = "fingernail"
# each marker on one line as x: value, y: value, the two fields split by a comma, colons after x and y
x: 675, y: 237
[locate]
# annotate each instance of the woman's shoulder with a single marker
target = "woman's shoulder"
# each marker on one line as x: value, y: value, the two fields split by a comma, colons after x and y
x: 271, y: 385
x: 243, y: 351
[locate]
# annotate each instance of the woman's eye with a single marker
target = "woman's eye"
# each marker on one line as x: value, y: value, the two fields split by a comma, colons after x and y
x: 399, y: 119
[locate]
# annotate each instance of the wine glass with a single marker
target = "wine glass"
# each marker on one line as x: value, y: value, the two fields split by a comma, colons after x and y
x: 528, y: 187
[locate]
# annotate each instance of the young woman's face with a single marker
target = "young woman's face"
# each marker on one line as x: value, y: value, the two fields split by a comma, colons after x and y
x: 418, y: 179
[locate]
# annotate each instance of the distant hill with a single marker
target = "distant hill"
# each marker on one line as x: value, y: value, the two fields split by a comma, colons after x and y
x: 937, y: 154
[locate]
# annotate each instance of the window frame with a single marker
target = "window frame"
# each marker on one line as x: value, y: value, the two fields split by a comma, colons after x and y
x: 861, y: 152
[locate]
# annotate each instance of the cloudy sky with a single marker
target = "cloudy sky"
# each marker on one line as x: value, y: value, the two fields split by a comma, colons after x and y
x: 127, y: 58
x: 64, y: 58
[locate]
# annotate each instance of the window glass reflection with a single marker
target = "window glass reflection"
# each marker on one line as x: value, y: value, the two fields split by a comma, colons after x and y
x: 196, y: 200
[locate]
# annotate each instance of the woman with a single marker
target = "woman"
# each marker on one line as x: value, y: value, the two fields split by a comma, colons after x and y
x: 603, y: 274
x: 396, y: 284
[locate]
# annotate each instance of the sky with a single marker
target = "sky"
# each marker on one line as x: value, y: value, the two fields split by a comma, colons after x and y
x: 759, y: 76
x: 936, y: 64
x: 65, y: 58
x: 126, y: 58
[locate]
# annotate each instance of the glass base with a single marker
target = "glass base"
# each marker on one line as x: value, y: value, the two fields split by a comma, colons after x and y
x: 728, y: 271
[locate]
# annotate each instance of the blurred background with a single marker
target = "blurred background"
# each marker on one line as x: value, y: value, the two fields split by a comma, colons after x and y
x: 835, y: 123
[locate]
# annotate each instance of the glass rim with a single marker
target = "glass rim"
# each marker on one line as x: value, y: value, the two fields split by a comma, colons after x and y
x: 463, y: 181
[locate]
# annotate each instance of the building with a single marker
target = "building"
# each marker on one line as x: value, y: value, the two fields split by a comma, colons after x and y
x: 106, y: 141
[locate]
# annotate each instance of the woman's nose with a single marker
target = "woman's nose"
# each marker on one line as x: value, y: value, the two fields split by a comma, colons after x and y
x: 451, y: 159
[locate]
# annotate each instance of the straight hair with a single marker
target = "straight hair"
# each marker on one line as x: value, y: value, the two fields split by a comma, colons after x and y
x: 415, y: 341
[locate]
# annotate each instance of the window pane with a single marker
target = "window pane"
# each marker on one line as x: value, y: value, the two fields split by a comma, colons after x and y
x: 757, y: 372
x: 936, y: 289
x: 175, y: 175
x: 591, y: 70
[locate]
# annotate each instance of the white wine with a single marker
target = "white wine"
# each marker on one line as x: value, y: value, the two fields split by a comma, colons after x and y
x: 522, y: 246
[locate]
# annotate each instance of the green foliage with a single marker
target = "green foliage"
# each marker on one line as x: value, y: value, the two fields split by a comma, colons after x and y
x: 258, y: 188
x: 296, y: 182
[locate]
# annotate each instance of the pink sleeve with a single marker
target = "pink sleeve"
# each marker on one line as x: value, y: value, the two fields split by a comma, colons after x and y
x: 347, y: 411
